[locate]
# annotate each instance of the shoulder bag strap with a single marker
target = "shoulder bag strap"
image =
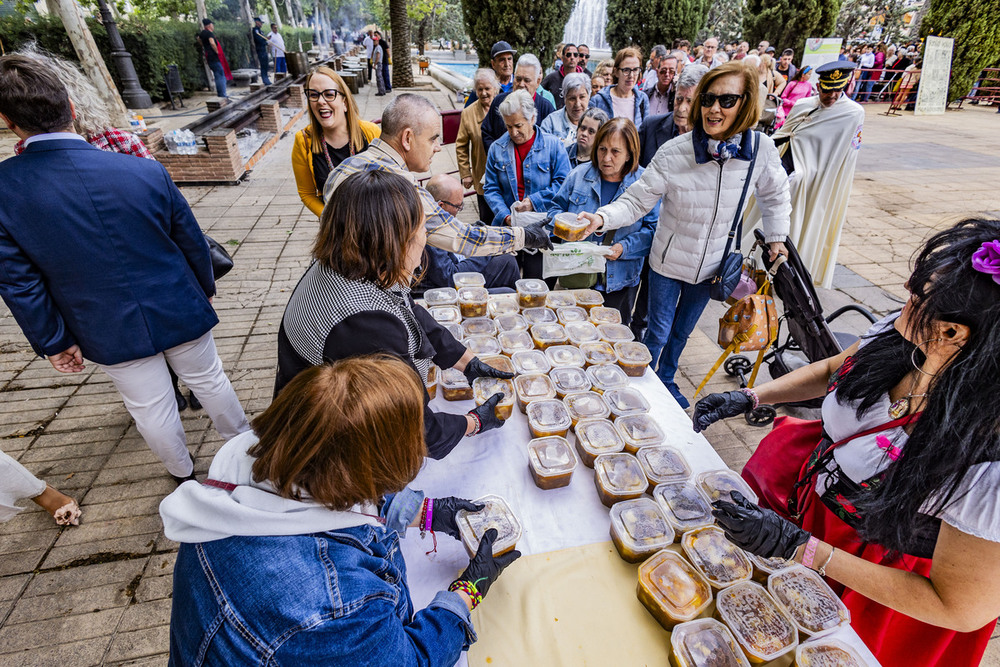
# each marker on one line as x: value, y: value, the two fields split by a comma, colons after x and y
x: 736, y: 231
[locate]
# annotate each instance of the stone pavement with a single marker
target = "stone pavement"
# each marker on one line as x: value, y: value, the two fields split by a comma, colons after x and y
x: 100, y: 593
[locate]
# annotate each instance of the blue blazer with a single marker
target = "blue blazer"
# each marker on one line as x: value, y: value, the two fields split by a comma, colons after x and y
x: 656, y: 131
x: 100, y: 250
x: 581, y: 191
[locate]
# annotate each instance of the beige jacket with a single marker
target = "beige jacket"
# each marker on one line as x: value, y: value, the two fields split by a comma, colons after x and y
x: 469, y: 145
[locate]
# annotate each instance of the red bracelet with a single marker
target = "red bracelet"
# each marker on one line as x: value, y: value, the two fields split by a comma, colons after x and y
x: 469, y: 589
x: 479, y: 423
x: 423, y: 513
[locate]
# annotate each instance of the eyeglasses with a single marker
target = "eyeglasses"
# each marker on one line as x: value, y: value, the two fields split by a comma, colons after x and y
x: 629, y: 70
x: 727, y: 101
x: 329, y: 95
x: 585, y: 56
x: 458, y: 207
x: 571, y: 55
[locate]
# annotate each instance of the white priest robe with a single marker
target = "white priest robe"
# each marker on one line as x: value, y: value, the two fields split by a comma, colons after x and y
x: 824, y: 144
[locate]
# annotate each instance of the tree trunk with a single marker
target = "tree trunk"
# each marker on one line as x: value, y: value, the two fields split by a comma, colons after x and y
x: 421, y: 35
x: 277, y: 16
x: 91, y: 61
x: 402, y: 71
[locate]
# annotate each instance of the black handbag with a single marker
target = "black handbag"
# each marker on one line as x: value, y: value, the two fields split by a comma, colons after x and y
x: 728, y: 275
x: 222, y: 261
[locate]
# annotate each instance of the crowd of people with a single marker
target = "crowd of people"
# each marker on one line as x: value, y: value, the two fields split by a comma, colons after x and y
x: 289, y: 550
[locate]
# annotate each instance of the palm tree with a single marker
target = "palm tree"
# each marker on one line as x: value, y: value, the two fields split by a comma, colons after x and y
x: 399, y: 22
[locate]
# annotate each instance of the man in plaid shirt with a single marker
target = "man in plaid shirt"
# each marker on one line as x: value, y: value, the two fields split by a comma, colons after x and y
x: 411, y: 135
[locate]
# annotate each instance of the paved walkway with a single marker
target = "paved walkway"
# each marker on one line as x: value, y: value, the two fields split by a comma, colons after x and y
x: 100, y: 593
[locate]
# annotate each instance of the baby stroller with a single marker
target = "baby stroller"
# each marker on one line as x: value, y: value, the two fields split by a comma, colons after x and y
x: 809, y: 337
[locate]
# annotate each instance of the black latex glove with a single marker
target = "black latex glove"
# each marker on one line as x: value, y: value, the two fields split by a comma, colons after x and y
x: 714, y: 407
x: 477, y: 369
x: 536, y: 236
x: 443, y: 514
x: 484, y: 569
x: 758, y: 530
x: 486, y: 413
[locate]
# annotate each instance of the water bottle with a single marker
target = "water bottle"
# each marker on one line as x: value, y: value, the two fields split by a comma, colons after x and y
x: 133, y: 120
x: 170, y: 139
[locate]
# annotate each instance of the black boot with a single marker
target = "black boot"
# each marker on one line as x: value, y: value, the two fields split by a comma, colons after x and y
x: 193, y: 401
x: 181, y: 401
x: 189, y: 478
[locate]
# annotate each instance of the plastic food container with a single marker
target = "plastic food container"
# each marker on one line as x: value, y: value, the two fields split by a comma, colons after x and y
x: 722, y: 562
x: 615, y: 333
x: 531, y: 292
x: 455, y: 329
x: 565, y: 355
x: 468, y: 279
x: 827, y: 653
x: 472, y: 301
x: 602, y: 315
x: 551, y: 461
x: 432, y: 381
x: 568, y: 228
x: 548, y: 334
x: 595, y: 437
x: 569, y: 380
x: 683, y: 505
x: 625, y: 401
x: 639, y: 529
x: 585, y: 405
x: 606, y: 376
x: 533, y: 387
x: 716, y: 484
x: 705, y: 642
x: 598, y: 353
x: 499, y: 362
x: 560, y: 299
x: 484, y: 388
x: 662, y: 464
x: 548, y: 417
x: 808, y: 600
x: 446, y: 314
x: 638, y: 431
x: 479, y: 326
x: 497, y: 514
x: 569, y: 314
x: 581, y: 332
x: 588, y: 298
x: 633, y: 358
x: 759, y: 625
x: 441, y: 296
x: 480, y: 345
x: 515, y: 341
x: 618, y: 477
x: 671, y: 589
x: 502, y: 304
x: 530, y: 361
x: 540, y: 315
x: 765, y: 567
x: 454, y: 385
x: 510, y: 322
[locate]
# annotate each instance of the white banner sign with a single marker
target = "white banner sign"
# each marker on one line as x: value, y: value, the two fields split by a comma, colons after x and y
x: 935, y: 75
x: 820, y: 51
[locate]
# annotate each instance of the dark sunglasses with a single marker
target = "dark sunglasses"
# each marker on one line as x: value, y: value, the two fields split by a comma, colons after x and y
x: 585, y: 56
x: 571, y: 55
x: 329, y: 94
x: 727, y: 101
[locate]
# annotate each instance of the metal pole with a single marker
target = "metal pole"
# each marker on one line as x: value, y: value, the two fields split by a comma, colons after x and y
x: 133, y: 94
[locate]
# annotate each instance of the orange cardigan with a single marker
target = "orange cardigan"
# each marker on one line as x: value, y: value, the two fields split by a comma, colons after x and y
x: 302, y: 165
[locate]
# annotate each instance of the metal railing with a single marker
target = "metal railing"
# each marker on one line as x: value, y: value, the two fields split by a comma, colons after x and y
x: 986, y: 89
x: 883, y: 85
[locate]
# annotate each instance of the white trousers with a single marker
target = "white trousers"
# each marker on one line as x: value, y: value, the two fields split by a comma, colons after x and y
x: 148, y: 393
x: 16, y: 483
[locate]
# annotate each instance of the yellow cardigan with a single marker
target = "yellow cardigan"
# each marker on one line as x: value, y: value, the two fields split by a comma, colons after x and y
x: 302, y: 165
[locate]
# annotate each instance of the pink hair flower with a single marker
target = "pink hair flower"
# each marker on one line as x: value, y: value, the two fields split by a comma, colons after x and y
x: 987, y: 260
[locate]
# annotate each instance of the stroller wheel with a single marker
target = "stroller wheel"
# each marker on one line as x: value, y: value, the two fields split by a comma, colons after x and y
x: 736, y: 365
x: 762, y: 415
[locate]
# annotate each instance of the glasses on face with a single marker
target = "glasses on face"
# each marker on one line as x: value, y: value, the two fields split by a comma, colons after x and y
x: 629, y: 70
x: 665, y: 71
x: 585, y: 56
x: 727, y: 101
x: 458, y: 207
x: 571, y: 55
x: 329, y: 94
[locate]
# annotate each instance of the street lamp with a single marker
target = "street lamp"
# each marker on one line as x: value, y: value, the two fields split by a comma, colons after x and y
x: 132, y: 93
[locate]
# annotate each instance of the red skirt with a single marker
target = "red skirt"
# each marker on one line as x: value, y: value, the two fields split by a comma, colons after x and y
x: 896, y: 639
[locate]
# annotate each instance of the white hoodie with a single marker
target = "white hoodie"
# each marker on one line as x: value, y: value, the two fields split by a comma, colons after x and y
x: 199, y: 513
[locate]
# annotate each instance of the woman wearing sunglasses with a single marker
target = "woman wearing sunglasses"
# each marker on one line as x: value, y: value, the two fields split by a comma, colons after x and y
x: 698, y: 178
x: 623, y: 99
x: 335, y: 132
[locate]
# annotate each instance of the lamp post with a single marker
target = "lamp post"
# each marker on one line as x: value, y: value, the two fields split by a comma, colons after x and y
x: 132, y: 93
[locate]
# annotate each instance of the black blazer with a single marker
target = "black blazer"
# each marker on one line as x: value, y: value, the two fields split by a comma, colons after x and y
x: 655, y: 131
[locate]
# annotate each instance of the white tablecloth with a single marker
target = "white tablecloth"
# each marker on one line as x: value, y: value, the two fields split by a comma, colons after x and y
x: 496, y: 462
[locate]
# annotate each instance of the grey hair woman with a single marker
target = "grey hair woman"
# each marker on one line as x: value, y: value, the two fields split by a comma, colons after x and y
x: 576, y: 97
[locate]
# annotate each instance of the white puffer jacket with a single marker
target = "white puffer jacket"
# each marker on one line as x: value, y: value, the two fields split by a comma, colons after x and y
x: 699, y: 199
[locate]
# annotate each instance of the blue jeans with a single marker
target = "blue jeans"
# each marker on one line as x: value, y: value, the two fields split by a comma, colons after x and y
x: 280, y: 67
x: 674, y: 309
x: 220, y: 78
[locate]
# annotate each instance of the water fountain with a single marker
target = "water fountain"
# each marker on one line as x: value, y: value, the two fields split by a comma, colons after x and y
x: 586, y: 24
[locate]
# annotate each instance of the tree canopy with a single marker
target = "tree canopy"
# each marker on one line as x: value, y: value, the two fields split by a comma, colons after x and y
x: 786, y: 24
x: 531, y: 26
x: 974, y: 26
x: 649, y: 22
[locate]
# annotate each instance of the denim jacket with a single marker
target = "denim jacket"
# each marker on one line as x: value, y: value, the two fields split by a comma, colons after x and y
x: 545, y: 168
x: 582, y: 192
x: 640, y: 109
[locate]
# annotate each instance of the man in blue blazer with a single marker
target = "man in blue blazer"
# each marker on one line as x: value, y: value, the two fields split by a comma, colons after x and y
x: 101, y: 258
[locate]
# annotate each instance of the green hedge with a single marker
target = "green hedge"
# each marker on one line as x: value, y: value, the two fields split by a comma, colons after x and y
x: 153, y: 45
